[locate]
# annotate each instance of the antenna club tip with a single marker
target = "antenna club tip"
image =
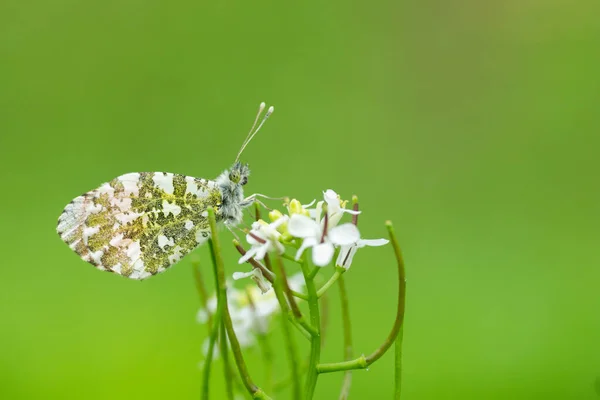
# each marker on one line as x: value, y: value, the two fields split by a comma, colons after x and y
x: 271, y: 109
x: 262, y: 105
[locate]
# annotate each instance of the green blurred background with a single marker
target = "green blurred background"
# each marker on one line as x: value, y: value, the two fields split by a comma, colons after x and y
x: 472, y: 125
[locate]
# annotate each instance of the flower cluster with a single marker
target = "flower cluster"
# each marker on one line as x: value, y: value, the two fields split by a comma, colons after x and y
x: 251, y: 311
x: 318, y: 229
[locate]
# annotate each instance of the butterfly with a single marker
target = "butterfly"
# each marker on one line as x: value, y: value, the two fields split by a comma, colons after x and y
x: 141, y: 223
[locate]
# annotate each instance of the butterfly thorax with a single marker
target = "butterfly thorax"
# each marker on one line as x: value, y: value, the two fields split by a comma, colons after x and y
x: 231, y: 185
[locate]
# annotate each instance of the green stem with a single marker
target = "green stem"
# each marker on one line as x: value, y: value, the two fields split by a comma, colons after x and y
x: 363, y: 362
x: 285, y: 286
x: 299, y: 323
x: 299, y: 295
x: 324, y: 304
x: 303, y: 327
x: 357, y: 363
x: 201, y: 290
x: 308, y: 327
x: 209, y: 356
x: 401, y: 298
x: 267, y: 354
x: 398, y: 366
x: 265, y: 347
x: 226, y: 366
x: 292, y: 351
x: 292, y: 258
x: 219, y: 270
x: 347, y: 328
x: 338, y: 272
x: 294, y: 315
x: 315, y: 342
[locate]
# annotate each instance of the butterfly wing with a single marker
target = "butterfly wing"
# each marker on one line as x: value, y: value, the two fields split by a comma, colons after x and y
x: 139, y: 224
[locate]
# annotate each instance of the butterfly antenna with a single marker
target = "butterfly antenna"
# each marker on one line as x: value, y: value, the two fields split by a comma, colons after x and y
x: 253, y: 131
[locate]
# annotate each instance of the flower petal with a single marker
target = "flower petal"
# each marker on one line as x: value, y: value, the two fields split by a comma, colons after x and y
x: 249, y: 254
x: 372, y: 242
x: 263, y: 284
x: 344, y: 235
x: 322, y: 254
x: 302, y: 226
x: 331, y: 196
x: 308, y: 242
x: 352, y: 212
x: 346, y: 255
x: 279, y: 221
x: 309, y: 204
x: 262, y: 251
x: 242, y: 275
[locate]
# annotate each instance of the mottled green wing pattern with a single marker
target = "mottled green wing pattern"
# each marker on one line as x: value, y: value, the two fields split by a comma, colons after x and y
x: 139, y: 224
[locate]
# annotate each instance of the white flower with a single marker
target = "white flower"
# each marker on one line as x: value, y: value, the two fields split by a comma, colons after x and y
x: 322, y: 243
x: 264, y: 238
x: 265, y: 305
x: 335, y: 209
x: 251, y: 311
x: 347, y: 252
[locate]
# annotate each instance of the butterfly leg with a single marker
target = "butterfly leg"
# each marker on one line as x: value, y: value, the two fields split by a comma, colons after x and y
x: 250, y: 200
x: 230, y: 228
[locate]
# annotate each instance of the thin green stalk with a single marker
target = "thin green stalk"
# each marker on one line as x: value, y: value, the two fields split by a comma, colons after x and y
x: 292, y: 258
x: 265, y: 348
x: 219, y: 270
x: 398, y: 365
x: 299, y: 295
x: 209, y: 356
x: 338, y: 272
x: 202, y: 293
x: 401, y: 298
x: 267, y: 356
x: 357, y: 363
x: 363, y: 362
x: 292, y: 351
x: 303, y: 327
x: 324, y: 304
x: 315, y: 342
x: 347, y: 328
x: 314, y: 273
x: 289, y: 293
x: 226, y: 365
x: 346, y: 323
x: 299, y: 323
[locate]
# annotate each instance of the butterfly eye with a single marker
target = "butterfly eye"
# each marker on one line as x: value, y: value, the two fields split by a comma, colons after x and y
x: 234, y: 176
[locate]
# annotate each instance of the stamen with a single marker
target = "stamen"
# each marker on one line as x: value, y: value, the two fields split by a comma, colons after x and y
x: 355, y: 216
x: 325, y: 223
x: 257, y: 238
x: 346, y: 258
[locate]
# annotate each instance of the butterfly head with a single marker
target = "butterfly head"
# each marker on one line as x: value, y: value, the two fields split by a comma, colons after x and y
x: 238, y: 174
x: 230, y: 184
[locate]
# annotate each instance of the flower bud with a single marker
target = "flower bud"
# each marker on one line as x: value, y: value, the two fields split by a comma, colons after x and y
x: 296, y: 208
x: 275, y: 215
